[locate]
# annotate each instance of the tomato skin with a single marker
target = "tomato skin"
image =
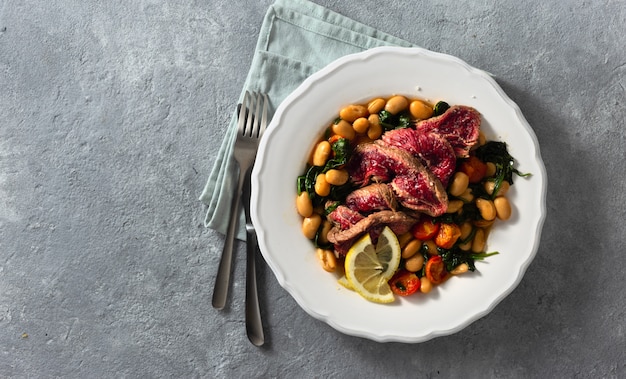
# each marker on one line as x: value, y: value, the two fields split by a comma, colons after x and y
x: 425, y: 229
x: 436, y: 270
x: 474, y: 168
x: 448, y: 235
x: 404, y: 283
x: 334, y: 138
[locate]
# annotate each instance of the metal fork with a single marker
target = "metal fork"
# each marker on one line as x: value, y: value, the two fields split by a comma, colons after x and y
x: 251, y: 125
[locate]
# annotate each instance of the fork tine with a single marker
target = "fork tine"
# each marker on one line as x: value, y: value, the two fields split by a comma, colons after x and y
x: 257, y: 110
x: 250, y: 120
x: 251, y: 115
x: 255, y: 118
x: 242, y: 114
x: 264, y: 116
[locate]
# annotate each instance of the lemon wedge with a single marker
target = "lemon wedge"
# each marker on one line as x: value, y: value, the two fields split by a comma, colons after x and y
x: 369, y: 267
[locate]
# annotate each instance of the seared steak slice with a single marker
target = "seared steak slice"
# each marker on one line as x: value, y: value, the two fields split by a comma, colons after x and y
x: 414, y: 185
x: 433, y: 150
x: 341, y: 249
x: 371, y: 162
x: 399, y: 222
x: 419, y: 194
x: 375, y: 197
x: 460, y: 125
x: 344, y: 217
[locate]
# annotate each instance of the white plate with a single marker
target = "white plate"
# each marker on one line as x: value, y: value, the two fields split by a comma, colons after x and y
x: 301, y: 119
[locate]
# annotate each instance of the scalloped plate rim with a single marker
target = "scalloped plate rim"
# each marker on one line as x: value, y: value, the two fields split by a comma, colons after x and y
x: 260, y: 168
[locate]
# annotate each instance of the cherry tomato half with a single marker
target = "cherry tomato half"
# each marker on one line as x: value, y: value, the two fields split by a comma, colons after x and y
x: 436, y: 270
x: 448, y: 235
x: 334, y: 138
x: 474, y: 168
x: 404, y: 283
x: 425, y: 229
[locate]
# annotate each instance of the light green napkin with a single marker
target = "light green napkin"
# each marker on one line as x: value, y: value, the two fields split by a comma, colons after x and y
x: 297, y: 38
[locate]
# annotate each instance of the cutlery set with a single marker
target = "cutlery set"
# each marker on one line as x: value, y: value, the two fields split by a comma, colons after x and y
x: 252, y: 121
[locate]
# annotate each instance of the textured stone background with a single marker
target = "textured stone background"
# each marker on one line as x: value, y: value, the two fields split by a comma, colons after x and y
x: 110, y: 117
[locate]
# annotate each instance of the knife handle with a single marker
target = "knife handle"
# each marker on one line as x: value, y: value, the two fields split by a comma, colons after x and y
x: 222, y: 280
x: 254, y: 324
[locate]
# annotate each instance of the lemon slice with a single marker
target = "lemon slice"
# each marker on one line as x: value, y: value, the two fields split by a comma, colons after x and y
x: 345, y: 283
x: 369, y: 267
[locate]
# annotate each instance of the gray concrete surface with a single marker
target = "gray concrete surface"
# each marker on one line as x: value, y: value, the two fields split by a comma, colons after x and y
x: 110, y: 117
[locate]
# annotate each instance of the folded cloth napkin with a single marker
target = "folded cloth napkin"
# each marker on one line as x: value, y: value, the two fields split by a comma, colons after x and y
x: 297, y: 38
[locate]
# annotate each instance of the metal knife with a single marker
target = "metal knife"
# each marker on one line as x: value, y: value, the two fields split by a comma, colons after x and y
x: 254, y: 324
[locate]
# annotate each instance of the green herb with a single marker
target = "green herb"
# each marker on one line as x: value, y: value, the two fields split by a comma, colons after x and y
x: 327, y: 133
x: 331, y: 207
x: 389, y: 121
x: 404, y: 120
x: 317, y: 243
x: 306, y: 182
x: 469, y: 237
x: 440, y: 108
x: 455, y: 256
x: 481, y: 256
x: 469, y: 213
x: 478, y: 190
x: 341, y: 152
x: 497, y: 153
x: 340, y: 192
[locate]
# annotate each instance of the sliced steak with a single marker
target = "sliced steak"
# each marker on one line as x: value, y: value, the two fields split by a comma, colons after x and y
x: 368, y: 165
x: 344, y: 217
x: 414, y: 185
x: 398, y: 222
x: 375, y: 197
x: 433, y: 150
x: 421, y: 194
x: 341, y: 249
x: 372, y: 162
x: 460, y: 125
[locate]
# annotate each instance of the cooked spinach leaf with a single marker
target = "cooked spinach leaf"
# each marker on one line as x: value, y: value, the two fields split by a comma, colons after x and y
x: 341, y: 153
x: 318, y: 243
x: 340, y: 192
x: 469, y: 213
x: 497, y: 153
x: 455, y: 256
x: 331, y: 207
x: 306, y: 182
x: 440, y: 108
x: 390, y: 121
